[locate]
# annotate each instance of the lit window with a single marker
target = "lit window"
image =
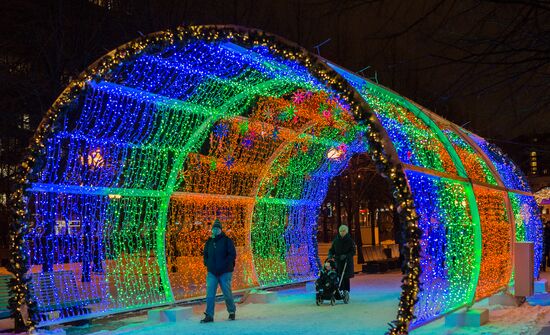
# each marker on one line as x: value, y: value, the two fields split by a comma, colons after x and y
x: 26, y: 122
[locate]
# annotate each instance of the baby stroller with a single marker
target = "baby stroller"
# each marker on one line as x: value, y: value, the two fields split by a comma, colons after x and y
x: 327, y: 286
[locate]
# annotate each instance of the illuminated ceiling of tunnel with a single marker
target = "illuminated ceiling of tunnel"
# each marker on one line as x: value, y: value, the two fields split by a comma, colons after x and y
x: 163, y: 135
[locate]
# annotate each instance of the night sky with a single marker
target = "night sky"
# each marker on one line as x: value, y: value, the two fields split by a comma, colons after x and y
x: 484, y: 65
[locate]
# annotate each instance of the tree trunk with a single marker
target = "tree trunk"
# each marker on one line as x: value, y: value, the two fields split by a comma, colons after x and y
x: 349, y: 212
x: 358, y: 237
x: 338, y: 204
x: 325, y: 229
x: 372, y: 212
x: 378, y: 224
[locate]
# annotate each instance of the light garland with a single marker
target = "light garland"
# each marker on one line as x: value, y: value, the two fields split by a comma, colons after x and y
x: 414, y: 141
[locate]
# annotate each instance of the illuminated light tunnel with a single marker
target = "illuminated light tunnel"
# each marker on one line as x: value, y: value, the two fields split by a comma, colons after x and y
x: 161, y: 136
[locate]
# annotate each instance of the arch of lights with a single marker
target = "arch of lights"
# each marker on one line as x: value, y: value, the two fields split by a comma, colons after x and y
x: 166, y: 133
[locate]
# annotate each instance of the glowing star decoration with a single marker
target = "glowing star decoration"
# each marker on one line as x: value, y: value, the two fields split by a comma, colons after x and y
x: 221, y: 130
x: 229, y: 162
x: 248, y: 142
x: 290, y: 112
x: 301, y: 96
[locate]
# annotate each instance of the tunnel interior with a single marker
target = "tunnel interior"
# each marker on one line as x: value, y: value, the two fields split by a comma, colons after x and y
x: 148, y: 156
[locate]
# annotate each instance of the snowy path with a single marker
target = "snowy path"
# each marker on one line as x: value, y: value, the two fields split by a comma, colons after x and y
x: 374, y: 303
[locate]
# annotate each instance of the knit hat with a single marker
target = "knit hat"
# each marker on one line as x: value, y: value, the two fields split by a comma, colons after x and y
x: 217, y: 224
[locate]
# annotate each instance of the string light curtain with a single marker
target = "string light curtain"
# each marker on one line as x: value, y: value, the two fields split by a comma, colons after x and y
x: 115, y: 160
x: 476, y: 168
x: 459, y: 182
x: 528, y: 224
x: 496, y: 234
x: 156, y: 140
x: 448, y: 245
x: 525, y: 214
x: 415, y: 142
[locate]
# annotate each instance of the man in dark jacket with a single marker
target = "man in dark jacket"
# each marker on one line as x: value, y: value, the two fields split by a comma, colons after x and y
x: 343, y: 250
x: 219, y: 258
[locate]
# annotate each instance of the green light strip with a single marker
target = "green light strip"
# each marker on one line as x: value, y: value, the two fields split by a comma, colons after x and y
x: 198, y: 137
x: 477, y: 238
x: 287, y: 202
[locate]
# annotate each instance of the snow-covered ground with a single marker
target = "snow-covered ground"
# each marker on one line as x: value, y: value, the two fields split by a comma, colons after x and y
x: 531, y: 318
x: 374, y: 300
x: 373, y: 303
x: 503, y: 320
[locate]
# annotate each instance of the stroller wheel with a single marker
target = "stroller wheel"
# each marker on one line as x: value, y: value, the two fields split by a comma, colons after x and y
x: 332, y: 301
x: 346, y: 297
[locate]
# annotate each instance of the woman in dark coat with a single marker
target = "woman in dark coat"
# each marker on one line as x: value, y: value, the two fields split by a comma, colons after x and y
x: 343, y: 250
